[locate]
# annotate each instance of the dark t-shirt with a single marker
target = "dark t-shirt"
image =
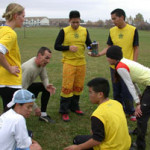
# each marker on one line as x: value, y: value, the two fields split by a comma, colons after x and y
x: 97, y: 129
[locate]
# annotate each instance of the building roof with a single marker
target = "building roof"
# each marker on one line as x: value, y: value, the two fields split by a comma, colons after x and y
x: 35, y: 18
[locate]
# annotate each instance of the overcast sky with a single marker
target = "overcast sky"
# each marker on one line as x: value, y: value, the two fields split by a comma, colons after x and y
x: 89, y: 9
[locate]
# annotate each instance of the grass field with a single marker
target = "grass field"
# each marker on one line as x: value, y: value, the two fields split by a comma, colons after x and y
x: 59, y: 135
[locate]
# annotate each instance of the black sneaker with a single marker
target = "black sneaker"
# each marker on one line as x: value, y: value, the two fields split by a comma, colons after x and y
x: 46, y: 119
x: 133, y: 146
x: 134, y: 132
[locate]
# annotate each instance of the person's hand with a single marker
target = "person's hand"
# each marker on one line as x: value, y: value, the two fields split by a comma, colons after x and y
x: 35, y: 146
x: 37, y: 111
x: 50, y: 88
x: 138, y: 112
x: 14, y: 70
x: 72, y: 147
x: 73, y: 48
x: 93, y: 55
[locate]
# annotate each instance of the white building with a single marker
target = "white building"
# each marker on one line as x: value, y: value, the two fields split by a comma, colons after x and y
x: 36, y: 21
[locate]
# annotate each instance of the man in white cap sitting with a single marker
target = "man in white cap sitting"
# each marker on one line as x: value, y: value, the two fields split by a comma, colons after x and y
x: 13, y: 130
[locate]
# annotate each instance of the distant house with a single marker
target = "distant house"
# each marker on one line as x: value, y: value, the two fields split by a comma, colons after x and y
x: 44, y: 21
x: 61, y: 22
x: 36, y: 21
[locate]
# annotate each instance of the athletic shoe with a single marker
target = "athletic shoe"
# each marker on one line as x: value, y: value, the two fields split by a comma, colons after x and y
x: 65, y: 117
x: 46, y: 119
x: 132, y: 118
x: 133, y: 146
x: 79, y: 112
x: 134, y: 132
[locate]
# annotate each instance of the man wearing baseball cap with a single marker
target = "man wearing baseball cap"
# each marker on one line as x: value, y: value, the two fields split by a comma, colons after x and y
x: 13, y: 130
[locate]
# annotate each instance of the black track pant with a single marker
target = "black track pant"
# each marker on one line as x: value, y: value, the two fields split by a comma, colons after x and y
x: 36, y: 88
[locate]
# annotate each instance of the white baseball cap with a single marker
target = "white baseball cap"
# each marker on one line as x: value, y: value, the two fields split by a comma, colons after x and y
x: 21, y: 96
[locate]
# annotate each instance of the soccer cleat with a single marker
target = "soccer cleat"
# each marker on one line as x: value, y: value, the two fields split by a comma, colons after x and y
x: 65, y: 117
x: 79, y: 112
x: 132, y: 118
x: 46, y: 119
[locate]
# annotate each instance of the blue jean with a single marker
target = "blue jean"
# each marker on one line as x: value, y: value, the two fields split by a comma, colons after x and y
x: 22, y: 149
x: 122, y: 94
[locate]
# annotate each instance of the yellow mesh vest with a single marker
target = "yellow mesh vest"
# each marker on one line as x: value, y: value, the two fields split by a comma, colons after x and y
x: 8, y: 38
x: 115, y: 125
x: 76, y: 38
x: 124, y: 38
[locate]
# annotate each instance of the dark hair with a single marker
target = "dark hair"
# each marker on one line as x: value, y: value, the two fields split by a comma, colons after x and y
x: 119, y: 12
x: 74, y: 14
x: 6, y: 108
x: 100, y: 85
x: 114, y: 52
x: 43, y: 49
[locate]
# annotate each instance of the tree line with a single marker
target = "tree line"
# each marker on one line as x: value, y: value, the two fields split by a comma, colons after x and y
x: 138, y: 22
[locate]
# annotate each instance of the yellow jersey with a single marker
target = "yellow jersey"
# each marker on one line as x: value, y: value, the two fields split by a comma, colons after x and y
x: 8, y: 38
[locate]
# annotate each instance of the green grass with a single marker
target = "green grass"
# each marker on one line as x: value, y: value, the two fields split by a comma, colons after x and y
x: 59, y: 135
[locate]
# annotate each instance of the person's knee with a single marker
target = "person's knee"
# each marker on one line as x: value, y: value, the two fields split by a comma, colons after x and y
x: 75, y: 140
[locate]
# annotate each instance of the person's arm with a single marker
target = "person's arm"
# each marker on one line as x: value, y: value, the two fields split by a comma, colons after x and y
x: 138, y: 91
x: 44, y: 78
x: 98, y: 132
x: 136, y: 45
x: 87, y: 145
x: 4, y: 63
x: 88, y: 40
x: 136, y: 52
x: 33, y: 146
x: 124, y: 74
x: 59, y: 40
x: 8, y: 39
x: 109, y: 44
x: 98, y: 136
x: 26, y: 76
x: 21, y: 134
x: 51, y: 89
x: 103, y: 52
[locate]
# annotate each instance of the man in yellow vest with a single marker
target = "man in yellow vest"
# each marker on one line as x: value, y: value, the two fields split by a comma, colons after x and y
x: 125, y: 36
x: 72, y: 41
x: 109, y: 124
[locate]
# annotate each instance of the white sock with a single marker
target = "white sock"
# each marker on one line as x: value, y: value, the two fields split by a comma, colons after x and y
x: 43, y: 114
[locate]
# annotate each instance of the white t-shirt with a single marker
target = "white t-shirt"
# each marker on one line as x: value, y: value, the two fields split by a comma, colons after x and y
x: 13, y: 131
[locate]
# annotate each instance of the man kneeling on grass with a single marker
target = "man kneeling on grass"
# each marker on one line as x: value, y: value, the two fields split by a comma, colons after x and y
x: 108, y: 121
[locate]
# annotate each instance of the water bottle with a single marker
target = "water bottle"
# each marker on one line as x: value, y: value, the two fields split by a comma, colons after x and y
x: 94, y: 48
